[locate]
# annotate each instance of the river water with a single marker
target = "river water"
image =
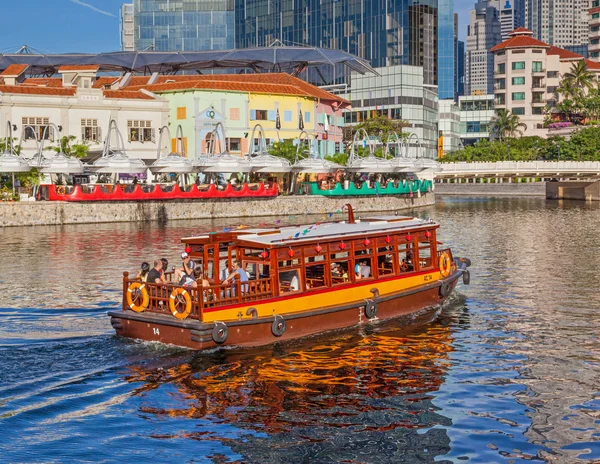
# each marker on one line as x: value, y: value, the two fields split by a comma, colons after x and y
x: 508, y: 373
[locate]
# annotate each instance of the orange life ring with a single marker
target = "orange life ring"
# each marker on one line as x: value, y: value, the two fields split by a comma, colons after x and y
x: 141, y: 288
x: 175, y: 299
x: 445, y: 264
x: 61, y: 190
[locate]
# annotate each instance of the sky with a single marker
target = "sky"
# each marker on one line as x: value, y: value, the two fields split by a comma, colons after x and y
x: 86, y: 26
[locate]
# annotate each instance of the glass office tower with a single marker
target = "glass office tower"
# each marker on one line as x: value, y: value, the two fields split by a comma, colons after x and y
x: 446, y: 50
x: 183, y: 25
x: 385, y: 32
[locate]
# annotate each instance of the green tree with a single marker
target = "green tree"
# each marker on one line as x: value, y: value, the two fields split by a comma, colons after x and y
x: 580, y: 76
x: 285, y: 149
x: 69, y: 146
x: 505, y: 124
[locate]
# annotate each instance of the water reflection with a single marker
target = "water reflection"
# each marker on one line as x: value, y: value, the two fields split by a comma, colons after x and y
x: 347, y: 397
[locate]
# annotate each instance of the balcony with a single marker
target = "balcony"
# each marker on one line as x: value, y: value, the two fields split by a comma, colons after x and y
x: 538, y: 103
x: 594, y: 22
x: 593, y: 47
x: 537, y: 73
x: 499, y: 72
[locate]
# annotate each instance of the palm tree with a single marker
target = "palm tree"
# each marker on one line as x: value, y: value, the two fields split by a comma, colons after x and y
x: 581, y: 77
x: 504, y: 124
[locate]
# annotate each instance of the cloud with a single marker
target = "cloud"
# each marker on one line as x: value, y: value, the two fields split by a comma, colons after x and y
x: 92, y: 7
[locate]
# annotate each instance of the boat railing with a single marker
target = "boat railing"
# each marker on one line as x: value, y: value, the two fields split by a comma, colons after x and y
x: 212, y: 296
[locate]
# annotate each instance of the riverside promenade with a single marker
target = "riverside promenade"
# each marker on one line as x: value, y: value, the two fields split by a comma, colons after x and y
x: 59, y: 213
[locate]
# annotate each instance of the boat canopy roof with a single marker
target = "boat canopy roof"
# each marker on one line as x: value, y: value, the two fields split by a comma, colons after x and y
x: 325, y: 231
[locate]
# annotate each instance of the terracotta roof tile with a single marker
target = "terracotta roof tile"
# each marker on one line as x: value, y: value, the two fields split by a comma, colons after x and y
x: 273, y: 83
x: 564, y: 54
x: 593, y: 65
x: 105, y: 80
x: 14, y: 70
x: 33, y: 90
x: 80, y: 67
x: 43, y: 81
x: 521, y: 30
x: 137, y: 80
x: 520, y: 41
x: 127, y: 94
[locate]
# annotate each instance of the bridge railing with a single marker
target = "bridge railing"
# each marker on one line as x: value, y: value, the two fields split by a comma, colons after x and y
x: 520, y: 168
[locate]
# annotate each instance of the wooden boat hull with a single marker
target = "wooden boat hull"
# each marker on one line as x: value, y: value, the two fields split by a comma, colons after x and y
x: 265, y: 330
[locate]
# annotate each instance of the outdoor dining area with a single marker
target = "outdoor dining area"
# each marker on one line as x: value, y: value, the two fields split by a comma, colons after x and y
x: 114, y: 176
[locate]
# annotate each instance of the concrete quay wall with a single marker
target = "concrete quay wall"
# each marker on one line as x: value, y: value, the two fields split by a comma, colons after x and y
x: 537, y: 189
x: 58, y: 213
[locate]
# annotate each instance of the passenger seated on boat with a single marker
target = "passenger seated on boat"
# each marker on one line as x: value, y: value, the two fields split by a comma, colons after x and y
x: 155, y: 274
x: 143, y: 274
x: 186, y: 271
x: 365, y: 269
x: 336, y: 270
x: 237, y: 273
x: 165, y: 269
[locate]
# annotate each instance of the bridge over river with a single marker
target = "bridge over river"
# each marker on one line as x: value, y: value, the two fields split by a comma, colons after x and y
x: 509, y: 170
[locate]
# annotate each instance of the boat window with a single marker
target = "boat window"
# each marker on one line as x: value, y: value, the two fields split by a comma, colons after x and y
x: 339, y: 271
x: 288, y: 263
x: 406, y: 258
x: 385, y: 260
x: 363, y: 268
x: 252, y: 252
x: 315, y: 276
x: 425, y: 260
x: 314, y: 259
x: 289, y: 281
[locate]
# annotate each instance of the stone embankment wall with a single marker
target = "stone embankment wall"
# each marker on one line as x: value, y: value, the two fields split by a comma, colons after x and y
x: 537, y: 189
x: 57, y: 213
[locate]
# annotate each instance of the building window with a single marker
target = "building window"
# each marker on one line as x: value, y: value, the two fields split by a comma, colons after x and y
x: 234, y: 114
x: 595, y: 15
x: 518, y: 111
x: 501, y: 68
x: 259, y: 115
x: 235, y: 144
x: 500, y: 99
x: 307, y: 116
x: 501, y: 84
x: 182, y: 112
x: 552, y: 74
x: 537, y: 110
x: 90, y: 131
x: 536, y: 66
x: 518, y: 81
x: 518, y: 96
x: 594, y: 41
x: 287, y: 116
x: 517, y: 65
x: 140, y: 131
x: 39, y: 125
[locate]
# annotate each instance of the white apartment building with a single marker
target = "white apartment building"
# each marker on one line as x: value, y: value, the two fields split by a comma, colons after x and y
x: 562, y: 23
x: 476, y: 113
x: 449, y: 125
x: 483, y: 33
x: 526, y: 75
x: 594, y: 24
x: 82, y: 105
x: 127, y: 27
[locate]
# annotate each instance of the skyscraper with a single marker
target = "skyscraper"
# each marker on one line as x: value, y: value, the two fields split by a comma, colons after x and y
x: 387, y: 33
x: 446, y: 50
x: 127, y: 27
x: 183, y: 25
x: 483, y: 33
x: 460, y: 68
x: 562, y: 23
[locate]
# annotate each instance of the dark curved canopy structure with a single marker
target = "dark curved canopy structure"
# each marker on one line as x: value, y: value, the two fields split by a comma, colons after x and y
x: 292, y: 59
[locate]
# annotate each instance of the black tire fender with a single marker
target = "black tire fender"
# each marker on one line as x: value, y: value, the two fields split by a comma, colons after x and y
x: 445, y: 288
x: 370, y: 309
x: 278, y: 326
x: 220, y: 332
x: 466, y: 277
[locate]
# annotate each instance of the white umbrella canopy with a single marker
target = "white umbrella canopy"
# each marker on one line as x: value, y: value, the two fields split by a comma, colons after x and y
x: 223, y: 162
x: 371, y: 164
x: 173, y: 162
x: 118, y: 163
x: 263, y: 162
x: 10, y: 163
x: 61, y: 164
x: 315, y: 166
